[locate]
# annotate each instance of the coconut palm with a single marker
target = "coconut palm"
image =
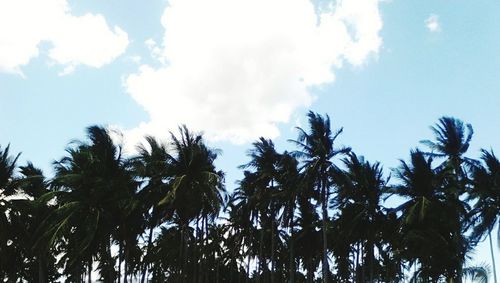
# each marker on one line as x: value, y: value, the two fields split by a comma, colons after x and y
x: 316, y: 149
x: 359, y: 195
x: 195, y: 181
x: 452, y: 140
x: 30, y: 210
x: 91, y: 183
x: 486, y: 193
x: 264, y: 160
x: 244, y: 216
x: 291, y: 184
x: 151, y: 167
x: 429, y: 221
x: 8, y: 186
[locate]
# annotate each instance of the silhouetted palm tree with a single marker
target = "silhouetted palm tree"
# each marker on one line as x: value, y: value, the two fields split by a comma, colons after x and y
x: 452, y: 140
x: 316, y: 149
x: 91, y: 182
x: 151, y: 168
x: 486, y: 193
x: 359, y: 195
x: 194, y: 181
x: 264, y: 160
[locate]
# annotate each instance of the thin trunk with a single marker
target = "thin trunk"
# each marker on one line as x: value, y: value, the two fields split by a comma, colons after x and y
x: 493, y: 259
x: 184, y: 268
x: 310, y: 271
x: 120, y: 255
x: 292, y: 255
x: 111, y: 263
x: 362, y: 263
x: 42, y: 276
x: 247, y: 279
x: 324, y: 203
x: 148, y: 248
x: 197, y: 256
x: 233, y: 259
x: 370, y: 258
x: 205, y: 278
x: 89, y: 274
x: 261, y: 251
x: 181, y: 255
x: 125, y: 267
x: 272, y: 248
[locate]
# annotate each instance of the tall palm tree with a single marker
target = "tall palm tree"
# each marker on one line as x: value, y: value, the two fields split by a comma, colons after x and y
x: 8, y: 186
x: 452, y: 140
x: 151, y: 167
x: 316, y: 149
x: 291, y: 183
x: 194, y: 180
x: 486, y: 193
x: 90, y: 184
x: 244, y: 212
x: 30, y: 210
x: 429, y: 220
x: 264, y: 160
x: 359, y: 195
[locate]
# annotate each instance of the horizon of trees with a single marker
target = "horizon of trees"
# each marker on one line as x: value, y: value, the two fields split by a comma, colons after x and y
x: 314, y: 214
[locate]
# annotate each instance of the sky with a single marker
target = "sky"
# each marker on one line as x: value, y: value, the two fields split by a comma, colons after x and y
x: 236, y: 69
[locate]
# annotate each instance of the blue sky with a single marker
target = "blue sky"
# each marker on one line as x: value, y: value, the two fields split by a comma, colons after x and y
x: 384, y: 70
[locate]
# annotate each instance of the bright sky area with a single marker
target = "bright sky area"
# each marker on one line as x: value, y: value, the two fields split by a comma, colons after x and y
x: 238, y: 69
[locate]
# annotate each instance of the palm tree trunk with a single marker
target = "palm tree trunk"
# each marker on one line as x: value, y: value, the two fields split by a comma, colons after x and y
x: 184, y: 268
x: 493, y: 258
x: 205, y: 279
x: 148, y: 248
x: 181, y: 255
x: 89, y: 274
x: 41, y: 270
x: 272, y: 249
x: 120, y: 255
x: 292, y: 255
x: 370, y: 258
x: 261, y: 251
x: 125, y: 267
x: 197, y: 256
x: 324, y: 203
x: 247, y: 279
x: 310, y: 271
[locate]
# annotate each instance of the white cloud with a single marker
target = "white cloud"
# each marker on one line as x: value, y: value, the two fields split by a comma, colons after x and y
x: 237, y: 68
x: 432, y: 23
x: 73, y: 40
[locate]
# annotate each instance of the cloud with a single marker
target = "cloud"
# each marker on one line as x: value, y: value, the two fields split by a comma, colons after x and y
x: 432, y: 23
x: 237, y: 68
x: 73, y: 40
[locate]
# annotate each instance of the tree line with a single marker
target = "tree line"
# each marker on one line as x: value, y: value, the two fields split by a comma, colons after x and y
x: 316, y: 213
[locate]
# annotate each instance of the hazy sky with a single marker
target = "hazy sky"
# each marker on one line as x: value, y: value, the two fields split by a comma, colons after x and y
x: 238, y: 69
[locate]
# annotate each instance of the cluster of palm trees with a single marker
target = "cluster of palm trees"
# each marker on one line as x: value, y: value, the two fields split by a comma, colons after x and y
x: 315, y: 214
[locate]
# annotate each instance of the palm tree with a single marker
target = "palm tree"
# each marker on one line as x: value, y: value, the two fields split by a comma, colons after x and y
x: 264, y: 160
x: 151, y: 166
x: 244, y: 217
x: 452, y: 140
x: 90, y: 184
x: 486, y: 193
x: 30, y: 210
x: 316, y: 149
x: 359, y: 194
x: 8, y: 187
x: 429, y: 220
x: 194, y: 180
x: 290, y: 180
